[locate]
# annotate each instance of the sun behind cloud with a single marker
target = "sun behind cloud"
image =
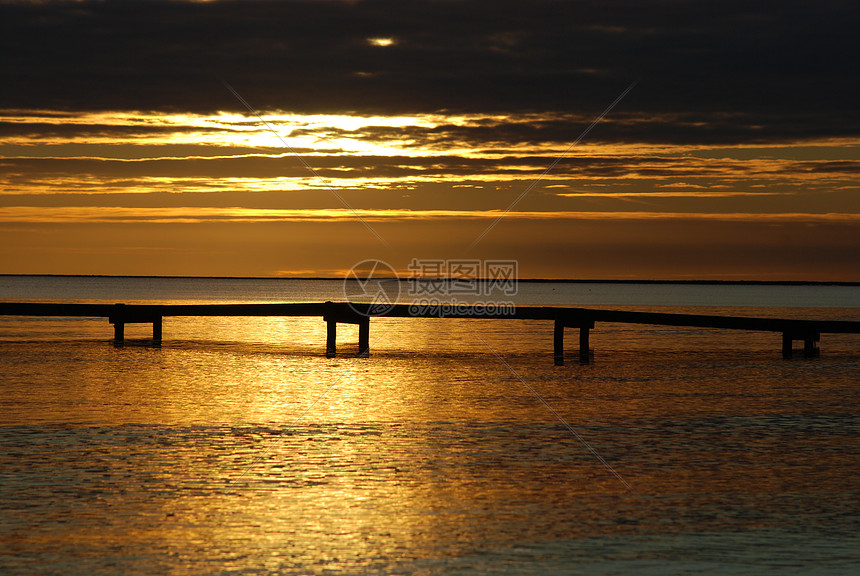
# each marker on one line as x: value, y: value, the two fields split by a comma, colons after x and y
x: 381, y: 41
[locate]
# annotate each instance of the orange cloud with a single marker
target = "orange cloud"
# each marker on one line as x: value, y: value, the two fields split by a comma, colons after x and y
x: 180, y: 215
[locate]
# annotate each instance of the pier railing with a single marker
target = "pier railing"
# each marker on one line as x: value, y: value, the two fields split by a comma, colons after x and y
x: 808, y: 331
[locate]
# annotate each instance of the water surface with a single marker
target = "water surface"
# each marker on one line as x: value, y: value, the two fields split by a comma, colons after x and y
x: 237, y: 447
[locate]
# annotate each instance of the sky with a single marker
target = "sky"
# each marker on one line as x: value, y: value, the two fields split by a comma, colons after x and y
x: 633, y: 139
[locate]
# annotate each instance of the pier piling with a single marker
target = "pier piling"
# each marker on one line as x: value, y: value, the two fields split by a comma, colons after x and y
x: 364, y: 338
x: 337, y: 312
x: 810, y: 347
x: 584, y: 351
x: 331, y: 339
x: 118, y: 321
x: 558, y: 340
x: 119, y: 332
x: 810, y: 344
x: 558, y: 343
x: 121, y: 315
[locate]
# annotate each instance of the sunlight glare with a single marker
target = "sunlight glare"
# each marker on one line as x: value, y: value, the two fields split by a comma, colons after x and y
x: 382, y: 42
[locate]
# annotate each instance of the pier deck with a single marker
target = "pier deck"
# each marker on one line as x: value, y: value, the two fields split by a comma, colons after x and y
x: 809, y: 331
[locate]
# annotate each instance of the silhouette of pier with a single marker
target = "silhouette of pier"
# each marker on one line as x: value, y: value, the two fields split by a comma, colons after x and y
x: 333, y: 313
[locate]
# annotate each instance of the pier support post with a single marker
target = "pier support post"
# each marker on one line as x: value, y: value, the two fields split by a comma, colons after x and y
x: 584, y: 352
x: 118, y: 321
x: 810, y: 344
x: 345, y: 313
x: 558, y: 343
x: 364, y: 338
x: 331, y: 339
x: 156, y: 329
x: 118, y: 333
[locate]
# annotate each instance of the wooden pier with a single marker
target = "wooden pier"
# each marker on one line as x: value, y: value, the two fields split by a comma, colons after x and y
x: 807, y: 331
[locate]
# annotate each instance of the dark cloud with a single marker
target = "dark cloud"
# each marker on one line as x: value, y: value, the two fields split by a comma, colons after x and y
x: 732, y: 71
x: 21, y: 171
x: 46, y: 130
x: 620, y: 127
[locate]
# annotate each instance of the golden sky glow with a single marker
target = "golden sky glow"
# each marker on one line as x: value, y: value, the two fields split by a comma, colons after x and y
x: 148, y: 169
x: 426, y: 125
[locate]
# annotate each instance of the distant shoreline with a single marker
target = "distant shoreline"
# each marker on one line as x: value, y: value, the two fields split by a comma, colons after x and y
x: 527, y: 280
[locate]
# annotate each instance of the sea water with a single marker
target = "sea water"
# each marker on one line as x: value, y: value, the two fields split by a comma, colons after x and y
x: 237, y: 447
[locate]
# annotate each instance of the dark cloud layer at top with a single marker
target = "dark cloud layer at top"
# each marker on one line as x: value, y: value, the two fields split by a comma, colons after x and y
x: 775, y: 70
